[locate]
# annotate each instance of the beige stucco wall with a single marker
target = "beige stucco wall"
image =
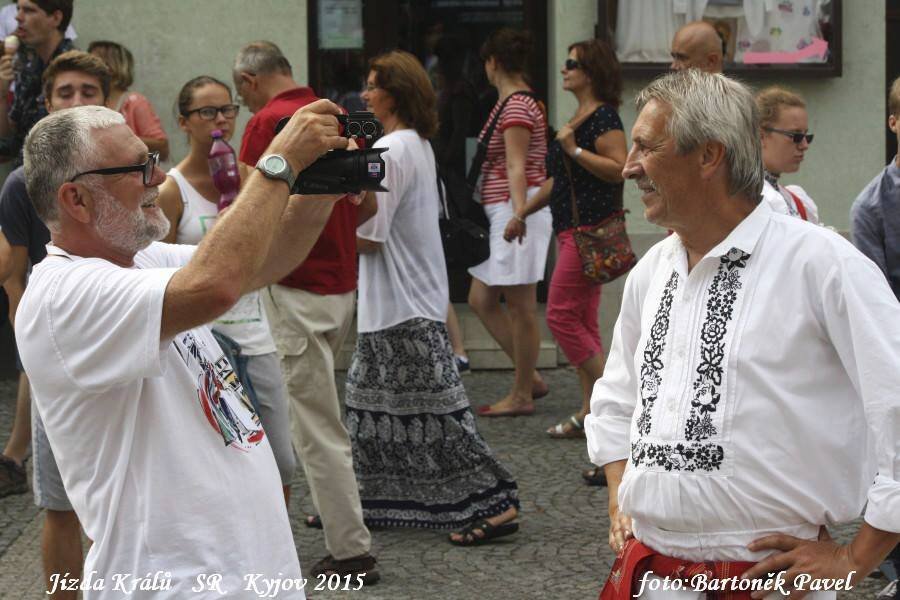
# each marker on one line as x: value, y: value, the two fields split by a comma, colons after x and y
x: 176, y: 40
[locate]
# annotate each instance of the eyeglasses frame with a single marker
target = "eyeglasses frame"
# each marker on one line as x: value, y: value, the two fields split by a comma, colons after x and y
x: 147, y: 167
x: 218, y: 109
x: 796, y: 136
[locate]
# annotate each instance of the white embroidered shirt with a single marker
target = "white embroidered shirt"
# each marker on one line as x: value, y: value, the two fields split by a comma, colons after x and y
x: 758, y: 393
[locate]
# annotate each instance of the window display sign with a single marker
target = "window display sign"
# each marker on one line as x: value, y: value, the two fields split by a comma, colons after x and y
x: 341, y: 25
x: 802, y: 36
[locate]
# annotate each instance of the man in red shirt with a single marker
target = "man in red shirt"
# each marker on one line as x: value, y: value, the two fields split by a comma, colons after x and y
x: 310, y: 313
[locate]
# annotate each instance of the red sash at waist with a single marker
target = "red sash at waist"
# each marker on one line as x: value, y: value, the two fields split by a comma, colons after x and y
x: 637, y: 559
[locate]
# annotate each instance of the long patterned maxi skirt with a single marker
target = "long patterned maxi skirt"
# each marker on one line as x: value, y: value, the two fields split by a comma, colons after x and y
x: 418, y: 457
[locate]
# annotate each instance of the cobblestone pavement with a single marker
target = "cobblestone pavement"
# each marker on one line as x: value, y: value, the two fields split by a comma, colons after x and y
x: 559, y: 553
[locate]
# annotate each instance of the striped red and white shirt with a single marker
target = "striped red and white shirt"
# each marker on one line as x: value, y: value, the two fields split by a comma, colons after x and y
x: 520, y: 111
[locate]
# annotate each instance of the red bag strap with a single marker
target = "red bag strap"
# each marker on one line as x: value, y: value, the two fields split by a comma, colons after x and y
x: 799, y: 204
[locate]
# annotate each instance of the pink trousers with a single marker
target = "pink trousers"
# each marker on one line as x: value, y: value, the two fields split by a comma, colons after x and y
x: 572, y: 304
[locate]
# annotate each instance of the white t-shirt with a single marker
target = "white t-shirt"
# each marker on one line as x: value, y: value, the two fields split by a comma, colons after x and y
x: 407, y: 277
x: 781, y: 201
x: 162, y: 456
x: 246, y: 321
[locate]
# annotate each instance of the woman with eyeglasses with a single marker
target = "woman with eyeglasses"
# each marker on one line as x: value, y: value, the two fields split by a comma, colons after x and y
x: 134, y: 106
x: 585, y: 161
x: 784, y: 132
x: 512, y: 172
x: 189, y: 198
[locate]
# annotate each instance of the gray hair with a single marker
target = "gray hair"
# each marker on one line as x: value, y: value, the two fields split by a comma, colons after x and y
x: 707, y: 106
x: 261, y: 58
x: 59, y: 147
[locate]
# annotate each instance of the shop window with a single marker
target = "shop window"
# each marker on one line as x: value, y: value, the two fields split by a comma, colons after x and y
x: 801, y: 37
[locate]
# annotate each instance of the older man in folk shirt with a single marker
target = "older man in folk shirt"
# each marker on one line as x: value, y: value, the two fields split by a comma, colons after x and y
x: 752, y: 392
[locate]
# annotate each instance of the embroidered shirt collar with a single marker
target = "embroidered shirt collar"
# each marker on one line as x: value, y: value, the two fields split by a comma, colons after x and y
x: 743, y: 237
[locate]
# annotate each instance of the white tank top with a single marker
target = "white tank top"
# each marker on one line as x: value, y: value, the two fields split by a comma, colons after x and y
x: 246, y: 322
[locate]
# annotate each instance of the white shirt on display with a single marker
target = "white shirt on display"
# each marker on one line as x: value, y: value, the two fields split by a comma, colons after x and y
x: 162, y: 456
x: 407, y: 277
x: 759, y: 393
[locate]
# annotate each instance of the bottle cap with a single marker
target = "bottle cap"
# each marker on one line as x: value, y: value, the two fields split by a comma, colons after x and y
x: 216, y: 133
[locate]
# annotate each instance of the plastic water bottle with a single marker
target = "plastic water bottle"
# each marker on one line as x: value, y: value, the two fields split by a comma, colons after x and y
x: 224, y: 170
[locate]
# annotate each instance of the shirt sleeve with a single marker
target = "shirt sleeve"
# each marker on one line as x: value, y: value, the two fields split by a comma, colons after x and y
x: 867, y: 232
x: 378, y: 228
x: 517, y: 113
x: 255, y: 141
x: 862, y: 318
x: 141, y: 117
x: 613, y: 401
x: 105, y: 323
x: 16, y: 213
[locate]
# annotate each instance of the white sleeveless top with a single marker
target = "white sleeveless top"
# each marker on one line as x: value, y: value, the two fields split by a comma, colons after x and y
x: 246, y: 322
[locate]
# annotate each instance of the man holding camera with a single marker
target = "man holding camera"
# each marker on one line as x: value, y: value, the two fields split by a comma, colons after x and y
x: 179, y: 478
x: 310, y: 313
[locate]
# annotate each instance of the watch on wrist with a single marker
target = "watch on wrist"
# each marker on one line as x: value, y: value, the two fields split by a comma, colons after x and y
x: 275, y: 166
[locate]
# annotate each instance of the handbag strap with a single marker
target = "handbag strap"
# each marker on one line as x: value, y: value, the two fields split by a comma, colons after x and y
x: 483, y: 142
x: 575, y: 218
x: 440, y: 186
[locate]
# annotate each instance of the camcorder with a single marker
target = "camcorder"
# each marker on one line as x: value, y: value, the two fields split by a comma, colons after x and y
x: 345, y: 171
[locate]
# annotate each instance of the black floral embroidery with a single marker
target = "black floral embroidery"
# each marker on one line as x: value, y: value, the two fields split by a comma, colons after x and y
x: 723, y: 292
x: 678, y: 456
x: 652, y: 365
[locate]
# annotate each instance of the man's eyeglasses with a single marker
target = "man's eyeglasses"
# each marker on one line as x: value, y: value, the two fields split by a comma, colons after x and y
x: 571, y: 64
x: 147, y: 168
x: 796, y: 136
x: 208, y: 113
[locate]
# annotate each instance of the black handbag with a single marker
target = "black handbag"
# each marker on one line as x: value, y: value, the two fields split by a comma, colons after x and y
x: 464, y: 224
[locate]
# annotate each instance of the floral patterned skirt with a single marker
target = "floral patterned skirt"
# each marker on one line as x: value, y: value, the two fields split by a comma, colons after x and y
x: 418, y: 457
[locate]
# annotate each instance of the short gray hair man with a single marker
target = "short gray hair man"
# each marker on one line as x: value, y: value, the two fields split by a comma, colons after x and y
x: 59, y: 149
x: 707, y: 106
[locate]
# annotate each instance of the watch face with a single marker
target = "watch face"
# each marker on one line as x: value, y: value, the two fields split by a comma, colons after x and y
x: 275, y: 164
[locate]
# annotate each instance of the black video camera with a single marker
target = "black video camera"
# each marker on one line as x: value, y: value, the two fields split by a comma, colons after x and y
x: 345, y: 171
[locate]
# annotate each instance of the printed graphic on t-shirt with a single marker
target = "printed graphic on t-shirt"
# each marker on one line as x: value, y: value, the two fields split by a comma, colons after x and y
x: 221, y: 396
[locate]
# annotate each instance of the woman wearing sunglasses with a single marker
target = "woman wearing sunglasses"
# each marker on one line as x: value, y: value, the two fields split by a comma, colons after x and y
x: 188, y: 198
x: 585, y: 163
x: 784, y: 131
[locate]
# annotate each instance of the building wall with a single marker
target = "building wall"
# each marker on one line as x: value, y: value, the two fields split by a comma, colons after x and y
x: 174, y: 41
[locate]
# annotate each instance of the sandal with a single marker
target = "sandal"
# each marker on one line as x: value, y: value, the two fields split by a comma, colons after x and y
x: 594, y: 476
x: 575, y: 430
x: 488, y: 532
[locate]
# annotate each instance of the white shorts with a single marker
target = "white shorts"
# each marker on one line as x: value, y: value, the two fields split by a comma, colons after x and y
x: 514, y: 263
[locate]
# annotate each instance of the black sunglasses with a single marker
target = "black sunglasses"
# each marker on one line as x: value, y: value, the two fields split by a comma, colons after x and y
x: 147, y: 168
x: 208, y: 113
x: 796, y: 136
x: 571, y: 64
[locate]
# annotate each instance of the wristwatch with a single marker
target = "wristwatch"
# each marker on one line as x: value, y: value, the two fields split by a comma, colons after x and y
x: 275, y: 166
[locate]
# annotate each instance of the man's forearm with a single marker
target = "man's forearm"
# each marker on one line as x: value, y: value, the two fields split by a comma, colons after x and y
x: 870, y: 547
x: 236, y: 248
x: 299, y: 229
x: 614, y: 472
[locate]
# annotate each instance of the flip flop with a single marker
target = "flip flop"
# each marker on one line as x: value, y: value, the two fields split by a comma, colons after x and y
x: 489, y: 532
x: 560, y: 432
x: 595, y: 476
x: 486, y: 411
